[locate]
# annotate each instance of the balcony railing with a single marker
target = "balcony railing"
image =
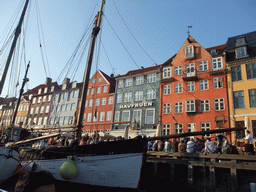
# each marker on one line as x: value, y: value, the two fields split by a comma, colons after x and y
x: 190, y: 76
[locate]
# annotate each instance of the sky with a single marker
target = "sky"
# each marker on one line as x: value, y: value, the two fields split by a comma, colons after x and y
x: 134, y: 33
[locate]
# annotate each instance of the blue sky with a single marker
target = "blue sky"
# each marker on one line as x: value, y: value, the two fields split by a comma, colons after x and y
x: 160, y: 27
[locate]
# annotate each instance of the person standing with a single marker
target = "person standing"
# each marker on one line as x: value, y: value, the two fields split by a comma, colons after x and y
x: 167, y: 146
x: 249, y: 137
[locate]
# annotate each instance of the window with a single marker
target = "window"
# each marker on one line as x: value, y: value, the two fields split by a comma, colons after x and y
x: 166, y: 129
x: 236, y: 73
x: 32, y: 111
x: 92, y: 91
x: 105, y: 89
x: 178, y: 88
x: 203, y: 65
x: 189, y: 51
x: 117, y: 116
x: 240, y: 134
x: 138, y: 96
x: 47, y: 109
x: 190, y: 70
x: 178, y: 70
x: 137, y: 116
x: 178, y: 128
x: 40, y: 119
x: 139, y: 80
x: 251, y: 71
x: 203, y: 84
x: 109, y: 113
x: 190, y: 86
x: 102, y: 116
x: 191, y: 105
x: 120, y: 83
x: 167, y: 73
x: 241, y: 52
x: 128, y: 82
x: 34, y: 101
x: 119, y: 98
x: 37, y: 110
x: 238, y: 99
x: 103, y: 101
x: 219, y: 104
x: 99, y: 79
x: 204, y: 105
x: 95, y: 116
x: 126, y: 116
x: 73, y: 107
x: 191, y: 127
x: 178, y: 108
x: 42, y: 110
x: 151, y: 94
x: 97, y: 102
x: 151, y: 78
x: 45, y: 120
x: 67, y: 107
x: 217, y: 63
x: 167, y: 89
x: 98, y: 90
x: 128, y: 97
x: 91, y: 103
x: 44, y: 98
x: 205, y: 127
x: 166, y: 108
x: 39, y: 91
x: 240, y: 41
x: 252, y: 97
x: 150, y: 116
x: 94, y: 81
x: 49, y: 97
x: 110, y: 100
x: 217, y: 83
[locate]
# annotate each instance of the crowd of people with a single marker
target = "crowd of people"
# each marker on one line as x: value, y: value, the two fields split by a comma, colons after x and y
x: 221, y: 145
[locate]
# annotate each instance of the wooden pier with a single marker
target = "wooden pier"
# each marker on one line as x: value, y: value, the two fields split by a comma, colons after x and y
x: 194, y: 168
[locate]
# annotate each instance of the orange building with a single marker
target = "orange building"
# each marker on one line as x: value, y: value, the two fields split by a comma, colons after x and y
x: 99, y: 104
x: 194, y: 94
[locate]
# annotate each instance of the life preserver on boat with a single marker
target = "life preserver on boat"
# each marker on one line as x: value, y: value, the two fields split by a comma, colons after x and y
x: 68, y: 169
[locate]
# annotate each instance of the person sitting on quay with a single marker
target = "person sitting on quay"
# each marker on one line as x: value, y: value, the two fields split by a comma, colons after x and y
x: 226, y: 146
x: 219, y: 144
x: 209, y: 146
x: 83, y: 141
x: 182, y: 146
x: 167, y: 146
x: 199, y: 146
x: 249, y: 137
x: 174, y: 146
x: 160, y: 145
x: 191, y: 146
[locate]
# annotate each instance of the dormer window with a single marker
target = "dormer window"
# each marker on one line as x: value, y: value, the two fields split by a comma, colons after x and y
x: 74, y: 84
x: 241, y: 52
x: 167, y: 73
x: 240, y: 41
x: 52, y: 88
x: 189, y: 52
x: 39, y: 91
x: 213, y: 52
x: 64, y: 86
x: 45, y: 89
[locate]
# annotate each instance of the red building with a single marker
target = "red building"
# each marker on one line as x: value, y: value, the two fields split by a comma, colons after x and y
x: 99, y: 105
x: 194, y: 90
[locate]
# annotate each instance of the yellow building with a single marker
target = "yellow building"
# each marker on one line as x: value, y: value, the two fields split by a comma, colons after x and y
x: 241, y: 63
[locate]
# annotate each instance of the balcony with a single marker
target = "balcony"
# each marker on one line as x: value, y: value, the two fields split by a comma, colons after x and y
x: 167, y: 80
x: 190, y: 76
x: 218, y: 72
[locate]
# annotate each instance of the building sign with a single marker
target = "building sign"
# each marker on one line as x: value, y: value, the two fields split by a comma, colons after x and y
x: 146, y: 104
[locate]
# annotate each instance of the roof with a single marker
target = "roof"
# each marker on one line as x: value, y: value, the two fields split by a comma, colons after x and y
x: 249, y: 37
x: 220, y: 49
x: 140, y: 71
x: 7, y: 100
x: 42, y: 86
x: 111, y: 80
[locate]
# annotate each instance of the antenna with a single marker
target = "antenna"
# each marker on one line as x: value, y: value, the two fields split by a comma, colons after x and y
x: 188, y: 29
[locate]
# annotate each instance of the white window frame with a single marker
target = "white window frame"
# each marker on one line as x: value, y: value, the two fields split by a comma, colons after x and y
x: 178, y: 70
x: 124, y: 117
x: 189, y: 51
x: 178, y: 88
x: 205, y: 105
x: 89, y: 117
x: 167, y: 89
x: 151, y: 94
x: 97, y: 102
x: 166, y: 108
x: 190, y: 105
x: 91, y: 103
x: 128, y: 82
x: 178, y: 107
x: 166, y: 129
x: 109, y: 114
x: 98, y: 90
x: 102, y: 116
x: 203, y: 65
x: 105, y: 89
x: 178, y: 128
x: 137, y: 114
x: 206, y: 126
x: 139, y: 80
x: 190, y: 86
x: 120, y: 84
x: 241, y: 52
x: 167, y: 72
x: 119, y: 98
x: 117, y: 116
x: 219, y: 104
x: 138, y: 96
x: 110, y: 100
x: 128, y: 97
x: 151, y: 78
x: 204, y: 85
x: 217, y: 82
x: 217, y: 63
x: 150, y: 119
x: 104, y: 101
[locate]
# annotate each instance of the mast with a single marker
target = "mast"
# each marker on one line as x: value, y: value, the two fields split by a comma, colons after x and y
x: 16, y: 35
x: 95, y: 32
x: 21, y: 92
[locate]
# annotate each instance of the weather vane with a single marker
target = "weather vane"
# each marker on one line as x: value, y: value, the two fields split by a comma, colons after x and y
x: 188, y: 29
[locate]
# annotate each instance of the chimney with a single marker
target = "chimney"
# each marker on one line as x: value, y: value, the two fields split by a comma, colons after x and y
x: 66, y: 81
x: 111, y: 75
x: 48, y: 81
x: 154, y: 64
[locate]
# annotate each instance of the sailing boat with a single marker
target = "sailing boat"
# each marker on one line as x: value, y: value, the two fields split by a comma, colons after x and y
x: 110, y: 164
